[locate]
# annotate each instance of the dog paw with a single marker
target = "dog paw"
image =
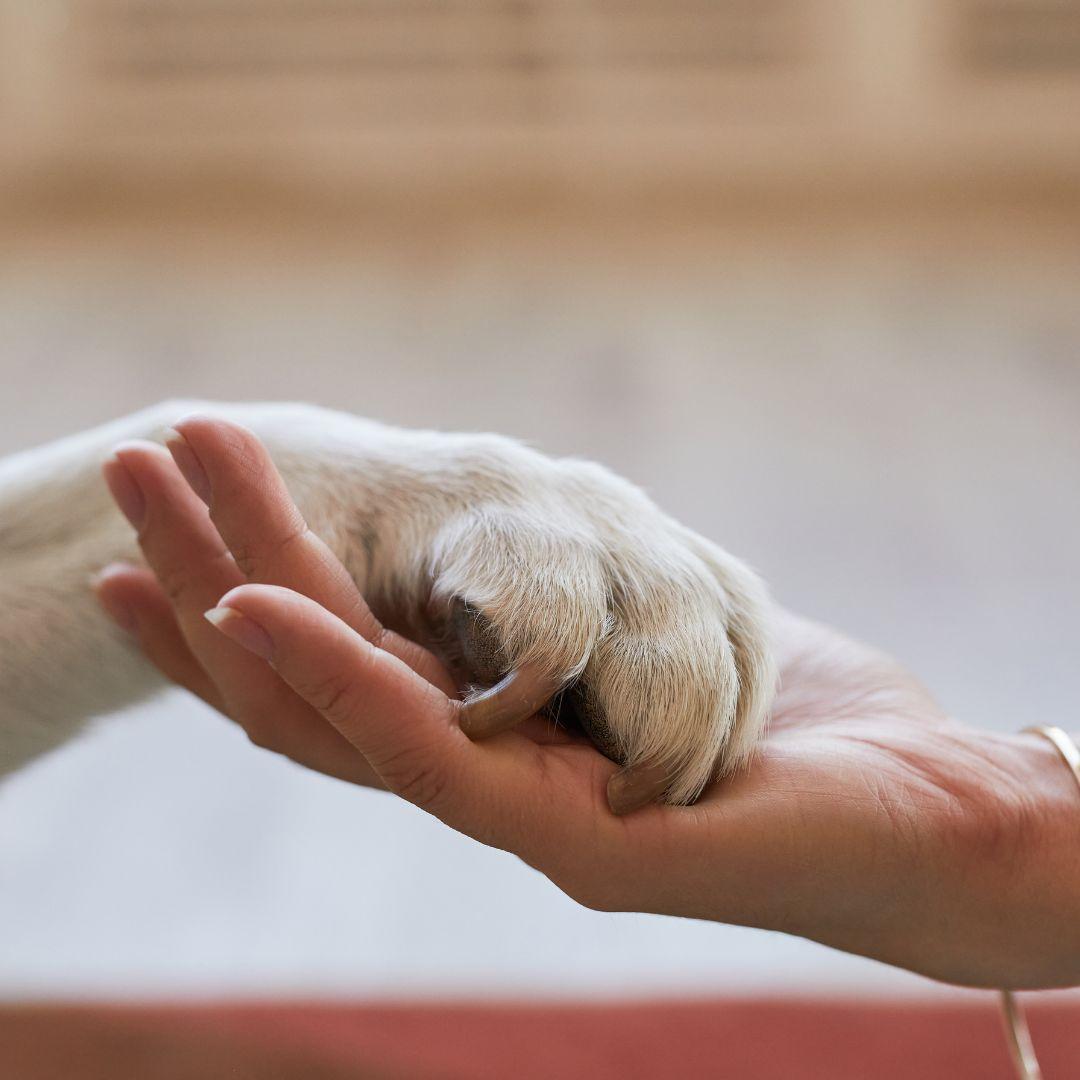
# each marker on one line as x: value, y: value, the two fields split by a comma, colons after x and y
x: 543, y: 583
x: 573, y: 592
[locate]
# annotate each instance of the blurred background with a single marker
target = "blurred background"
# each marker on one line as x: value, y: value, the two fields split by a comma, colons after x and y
x: 807, y: 270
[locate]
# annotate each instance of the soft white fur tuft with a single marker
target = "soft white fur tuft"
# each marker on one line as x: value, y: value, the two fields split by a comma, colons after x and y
x: 577, y: 570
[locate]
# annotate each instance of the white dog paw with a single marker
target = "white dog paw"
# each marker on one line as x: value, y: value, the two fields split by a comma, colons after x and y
x: 556, y: 573
x: 653, y: 640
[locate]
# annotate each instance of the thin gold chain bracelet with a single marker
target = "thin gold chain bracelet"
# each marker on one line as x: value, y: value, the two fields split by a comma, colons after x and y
x: 1016, y: 1026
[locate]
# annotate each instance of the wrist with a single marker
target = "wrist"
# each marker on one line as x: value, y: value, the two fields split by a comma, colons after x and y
x: 986, y: 891
x: 1041, y: 893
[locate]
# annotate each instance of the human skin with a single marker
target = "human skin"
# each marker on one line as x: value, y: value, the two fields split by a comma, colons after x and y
x: 868, y: 820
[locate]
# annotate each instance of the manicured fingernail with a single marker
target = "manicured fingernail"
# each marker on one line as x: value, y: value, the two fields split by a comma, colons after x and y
x: 125, y: 491
x: 111, y: 604
x: 188, y: 463
x: 243, y: 630
x: 637, y: 786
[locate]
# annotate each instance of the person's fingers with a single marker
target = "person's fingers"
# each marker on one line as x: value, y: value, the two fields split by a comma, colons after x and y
x: 522, y: 694
x: 405, y: 727
x: 194, y: 568
x: 181, y: 546
x: 133, y: 597
x: 230, y: 469
x: 544, y: 803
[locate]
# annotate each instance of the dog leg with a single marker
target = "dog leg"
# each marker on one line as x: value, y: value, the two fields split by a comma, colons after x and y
x: 544, y: 573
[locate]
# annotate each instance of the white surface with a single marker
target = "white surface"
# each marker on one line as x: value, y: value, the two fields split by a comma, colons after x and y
x: 888, y: 429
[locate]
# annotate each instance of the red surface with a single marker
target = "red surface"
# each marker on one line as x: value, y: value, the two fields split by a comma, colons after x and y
x: 748, y: 1040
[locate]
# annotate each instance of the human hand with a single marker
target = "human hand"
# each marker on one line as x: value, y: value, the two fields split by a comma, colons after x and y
x: 868, y: 820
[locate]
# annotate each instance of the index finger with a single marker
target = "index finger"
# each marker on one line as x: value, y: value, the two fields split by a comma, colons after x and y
x: 545, y: 804
x: 405, y: 727
x: 231, y: 470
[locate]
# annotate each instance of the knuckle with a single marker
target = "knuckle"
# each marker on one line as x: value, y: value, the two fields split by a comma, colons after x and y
x: 329, y: 695
x: 246, y: 557
x: 194, y: 584
x: 257, y: 560
x: 177, y: 587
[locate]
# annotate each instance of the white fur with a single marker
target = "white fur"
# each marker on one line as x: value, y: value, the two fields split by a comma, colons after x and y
x: 577, y: 569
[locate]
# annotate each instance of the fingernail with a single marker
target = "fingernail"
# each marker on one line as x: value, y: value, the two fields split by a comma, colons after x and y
x: 112, y: 605
x: 188, y: 463
x: 243, y: 630
x: 636, y: 786
x: 125, y: 491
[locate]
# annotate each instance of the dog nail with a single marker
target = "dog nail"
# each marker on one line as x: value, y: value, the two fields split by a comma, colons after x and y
x: 637, y: 786
x: 514, y: 698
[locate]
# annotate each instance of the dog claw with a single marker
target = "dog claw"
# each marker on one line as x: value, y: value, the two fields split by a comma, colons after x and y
x: 637, y: 786
x: 513, y: 698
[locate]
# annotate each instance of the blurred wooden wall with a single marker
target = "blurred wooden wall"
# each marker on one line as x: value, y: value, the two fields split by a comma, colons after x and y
x: 427, y: 95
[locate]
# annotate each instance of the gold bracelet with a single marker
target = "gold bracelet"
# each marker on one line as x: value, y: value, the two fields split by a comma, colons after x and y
x: 1016, y: 1027
x: 1063, y: 744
